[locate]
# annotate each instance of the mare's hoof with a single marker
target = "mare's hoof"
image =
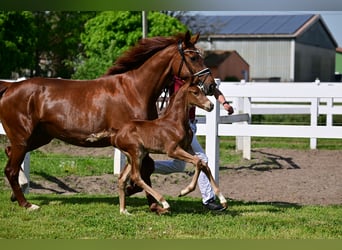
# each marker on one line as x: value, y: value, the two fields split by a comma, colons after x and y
x: 13, y: 198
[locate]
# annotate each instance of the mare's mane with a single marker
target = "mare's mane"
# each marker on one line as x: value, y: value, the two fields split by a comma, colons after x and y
x: 144, y: 49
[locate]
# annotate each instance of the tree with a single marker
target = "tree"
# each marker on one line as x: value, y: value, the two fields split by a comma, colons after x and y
x: 58, y: 41
x: 17, y: 42
x: 110, y: 33
x: 44, y: 43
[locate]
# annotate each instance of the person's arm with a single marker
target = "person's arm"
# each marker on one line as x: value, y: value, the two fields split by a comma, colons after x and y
x: 222, y: 100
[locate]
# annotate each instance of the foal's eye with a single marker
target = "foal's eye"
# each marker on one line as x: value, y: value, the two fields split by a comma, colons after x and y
x: 193, y: 58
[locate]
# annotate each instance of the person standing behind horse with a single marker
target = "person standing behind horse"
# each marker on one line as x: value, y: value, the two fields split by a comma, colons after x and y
x: 173, y: 166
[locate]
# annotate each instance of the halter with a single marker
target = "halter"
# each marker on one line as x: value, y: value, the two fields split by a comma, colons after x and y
x: 204, y: 72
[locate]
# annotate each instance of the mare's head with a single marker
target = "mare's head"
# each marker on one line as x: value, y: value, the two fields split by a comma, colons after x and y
x: 185, y: 60
x: 190, y: 66
x: 196, y: 97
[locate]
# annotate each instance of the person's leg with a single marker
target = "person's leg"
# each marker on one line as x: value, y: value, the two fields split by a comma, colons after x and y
x: 169, y: 166
x: 203, y: 181
x: 208, y: 195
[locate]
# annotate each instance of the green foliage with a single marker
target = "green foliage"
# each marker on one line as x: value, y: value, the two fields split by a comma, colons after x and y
x: 60, y: 41
x: 42, y: 43
x: 17, y: 41
x: 57, y: 43
x: 110, y: 33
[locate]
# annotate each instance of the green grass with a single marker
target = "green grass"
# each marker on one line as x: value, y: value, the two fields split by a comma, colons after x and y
x: 63, y: 165
x: 97, y: 216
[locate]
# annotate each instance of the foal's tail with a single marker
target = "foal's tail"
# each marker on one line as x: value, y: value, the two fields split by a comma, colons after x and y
x: 3, y: 87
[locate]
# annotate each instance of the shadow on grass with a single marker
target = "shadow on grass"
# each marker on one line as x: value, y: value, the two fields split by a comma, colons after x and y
x: 271, y: 162
x: 183, y: 205
x: 64, y: 187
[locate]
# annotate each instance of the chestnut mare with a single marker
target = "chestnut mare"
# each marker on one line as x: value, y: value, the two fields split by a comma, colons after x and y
x: 35, y: 111
x: 170, y: 134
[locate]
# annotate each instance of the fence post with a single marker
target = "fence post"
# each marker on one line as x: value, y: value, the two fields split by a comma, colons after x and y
x: 330, y: 105
x: 247, y: 108
x: 313, y: 120
x: 119, y: 161
x: 238, y: 109
x: 211, y: 138
x: 314, y: 115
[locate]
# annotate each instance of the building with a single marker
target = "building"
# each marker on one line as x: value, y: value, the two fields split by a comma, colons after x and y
x: 227, y: 65
x: 338, y: 66
x: 289, y: 48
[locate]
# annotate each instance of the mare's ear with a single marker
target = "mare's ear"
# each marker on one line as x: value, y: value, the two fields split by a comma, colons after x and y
x: 194, y: 38
x: 187, y: 37
x: 190, y: 40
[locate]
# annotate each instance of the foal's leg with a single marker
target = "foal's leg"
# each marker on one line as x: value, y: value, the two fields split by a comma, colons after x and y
x: 192, y: 185
x: 122, y: 184
x: 16, y: 157
x: 136, y: 177
x: 181, y: 154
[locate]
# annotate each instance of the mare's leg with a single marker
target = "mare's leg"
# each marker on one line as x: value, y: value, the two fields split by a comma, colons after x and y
x: 122, y: 184
x: 37, y: 140
x: 22, y: 178
x: 16, y: 157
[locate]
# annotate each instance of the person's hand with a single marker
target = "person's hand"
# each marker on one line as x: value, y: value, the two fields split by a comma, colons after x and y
x: 229, y: 108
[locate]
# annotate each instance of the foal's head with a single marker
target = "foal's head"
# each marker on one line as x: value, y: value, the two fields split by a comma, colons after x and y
x: 196, y: 97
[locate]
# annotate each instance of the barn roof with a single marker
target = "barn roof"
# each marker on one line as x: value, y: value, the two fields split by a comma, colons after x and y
x: 258, y: 26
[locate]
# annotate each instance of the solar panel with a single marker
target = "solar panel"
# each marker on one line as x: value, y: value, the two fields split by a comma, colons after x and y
x: 255, y: 25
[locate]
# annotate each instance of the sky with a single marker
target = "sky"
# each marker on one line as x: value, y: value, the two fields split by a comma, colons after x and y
x: 333, y: 19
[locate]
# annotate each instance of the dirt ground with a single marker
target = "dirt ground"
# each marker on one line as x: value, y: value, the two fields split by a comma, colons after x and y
x: 273, y: 175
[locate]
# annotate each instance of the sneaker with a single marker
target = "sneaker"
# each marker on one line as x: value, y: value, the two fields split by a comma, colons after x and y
x: 213, y: 206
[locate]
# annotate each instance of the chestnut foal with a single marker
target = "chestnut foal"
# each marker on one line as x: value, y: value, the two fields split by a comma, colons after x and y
x: 170, y: 134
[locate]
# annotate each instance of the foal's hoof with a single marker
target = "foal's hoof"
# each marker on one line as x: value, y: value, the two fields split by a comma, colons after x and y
x: 158, y: 209
x: 33, y: 207
x: 125, y: 212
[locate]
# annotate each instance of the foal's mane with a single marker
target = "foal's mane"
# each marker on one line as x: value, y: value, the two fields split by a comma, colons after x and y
x: 181, y: 91
x: 144, y: 49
